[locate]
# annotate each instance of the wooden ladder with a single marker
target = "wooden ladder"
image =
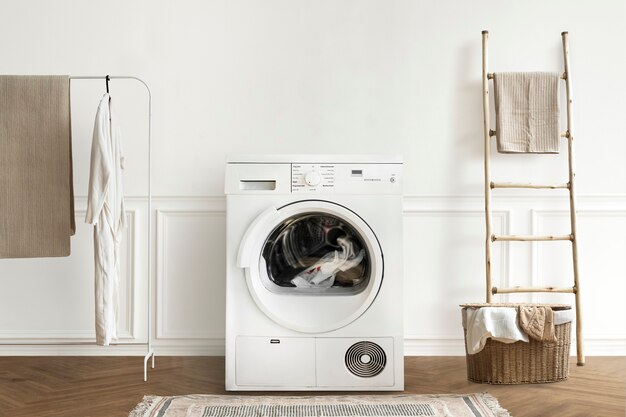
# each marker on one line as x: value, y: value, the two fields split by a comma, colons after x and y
x: 490, y: 185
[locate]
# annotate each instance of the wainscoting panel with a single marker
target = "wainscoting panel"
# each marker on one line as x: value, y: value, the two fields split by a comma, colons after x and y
x: 602, y: 262
x: 50, y: 301
x: 190, y: 274
x: 445, y: 267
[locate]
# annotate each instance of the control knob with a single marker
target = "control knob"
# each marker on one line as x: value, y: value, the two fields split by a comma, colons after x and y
x: 312, y: 178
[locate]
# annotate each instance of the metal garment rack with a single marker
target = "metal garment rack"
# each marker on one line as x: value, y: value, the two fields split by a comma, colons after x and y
x: 150, y: 352
x: 490, y: 185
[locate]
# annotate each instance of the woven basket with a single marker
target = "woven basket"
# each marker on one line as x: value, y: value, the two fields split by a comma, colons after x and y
x: 521, y: 362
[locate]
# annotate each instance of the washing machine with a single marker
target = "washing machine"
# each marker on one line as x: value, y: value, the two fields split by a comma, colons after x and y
x: 314, y: 298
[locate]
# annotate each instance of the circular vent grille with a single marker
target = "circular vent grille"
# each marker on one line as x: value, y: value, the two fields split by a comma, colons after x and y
x: 365, y: 359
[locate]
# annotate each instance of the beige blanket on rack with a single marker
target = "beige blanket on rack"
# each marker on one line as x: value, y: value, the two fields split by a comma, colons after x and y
x: 36, y: 187
x: 527, y: 111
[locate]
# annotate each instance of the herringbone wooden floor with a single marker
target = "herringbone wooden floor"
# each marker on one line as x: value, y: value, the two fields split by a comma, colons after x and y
x: 111, y: 386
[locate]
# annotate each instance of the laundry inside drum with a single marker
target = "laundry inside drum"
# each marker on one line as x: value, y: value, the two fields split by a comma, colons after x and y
x: 316, y: 251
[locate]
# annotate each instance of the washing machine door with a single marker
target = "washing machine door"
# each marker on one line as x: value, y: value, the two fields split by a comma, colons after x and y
x: 312, y: 266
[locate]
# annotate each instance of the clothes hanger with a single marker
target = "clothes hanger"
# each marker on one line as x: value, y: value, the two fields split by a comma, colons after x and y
x: 107, y: 79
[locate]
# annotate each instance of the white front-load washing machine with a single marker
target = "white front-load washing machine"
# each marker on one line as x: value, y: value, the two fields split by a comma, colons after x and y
x: 314, y: 279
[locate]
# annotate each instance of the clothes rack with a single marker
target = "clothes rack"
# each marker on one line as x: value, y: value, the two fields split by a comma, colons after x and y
x: 572, y: 237
x: 148, y: 344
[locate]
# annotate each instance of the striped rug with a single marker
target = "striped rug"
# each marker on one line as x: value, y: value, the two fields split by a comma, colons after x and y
x: 464, y: 405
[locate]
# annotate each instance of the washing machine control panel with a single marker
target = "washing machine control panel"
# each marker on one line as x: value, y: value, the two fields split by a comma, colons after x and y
x: 312, y: 177
x: 345, y: 178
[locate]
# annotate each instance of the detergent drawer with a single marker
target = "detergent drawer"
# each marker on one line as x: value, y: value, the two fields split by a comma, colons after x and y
x: 275, y: 361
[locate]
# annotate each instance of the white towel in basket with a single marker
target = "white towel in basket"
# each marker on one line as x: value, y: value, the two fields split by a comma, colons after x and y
x: 498, y: 323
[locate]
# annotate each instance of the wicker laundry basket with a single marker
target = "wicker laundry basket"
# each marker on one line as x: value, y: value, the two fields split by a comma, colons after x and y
x: 521, y: 362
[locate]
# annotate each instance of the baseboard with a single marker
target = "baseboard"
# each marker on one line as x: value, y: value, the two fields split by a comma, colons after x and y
x: 191, y: 350
x: 603, y: 347
x: 433, y: 347
x: 72, y: 350
x: 455, y: 347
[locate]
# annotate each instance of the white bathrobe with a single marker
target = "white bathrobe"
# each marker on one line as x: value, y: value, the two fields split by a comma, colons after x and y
x: 105, y: 210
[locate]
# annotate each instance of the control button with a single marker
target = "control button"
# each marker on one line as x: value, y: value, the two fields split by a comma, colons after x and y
x: 392, y: 179
x: 312, y: 178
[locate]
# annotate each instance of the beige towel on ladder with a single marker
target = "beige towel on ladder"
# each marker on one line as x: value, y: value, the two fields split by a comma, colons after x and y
x: 36, y: 187
x: 527, y: 111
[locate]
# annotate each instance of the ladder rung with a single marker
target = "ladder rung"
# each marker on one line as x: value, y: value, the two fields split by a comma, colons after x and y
x: 563, y: 134
x: 496, y: 290
x: 526, y: 185
x: 562, y: 76
x: 509, y: 238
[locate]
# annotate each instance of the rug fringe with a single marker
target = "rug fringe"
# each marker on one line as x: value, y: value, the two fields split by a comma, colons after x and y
x: 145, y: 404
x: 494, y: 405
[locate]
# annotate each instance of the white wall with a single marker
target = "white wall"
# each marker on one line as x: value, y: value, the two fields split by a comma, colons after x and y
x: 324, y: 76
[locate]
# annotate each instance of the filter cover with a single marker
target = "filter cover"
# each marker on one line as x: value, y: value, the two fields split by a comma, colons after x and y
x: 365, y: 359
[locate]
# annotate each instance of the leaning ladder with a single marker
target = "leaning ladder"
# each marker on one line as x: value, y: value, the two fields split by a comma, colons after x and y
x: 490, y: 185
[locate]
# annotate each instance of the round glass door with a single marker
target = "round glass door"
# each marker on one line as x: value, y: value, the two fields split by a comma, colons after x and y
x: 312, y: 266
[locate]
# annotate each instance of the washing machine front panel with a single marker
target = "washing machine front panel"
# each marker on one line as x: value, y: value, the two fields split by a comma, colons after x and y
x: 284, y: 215
x: 312, y: 266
